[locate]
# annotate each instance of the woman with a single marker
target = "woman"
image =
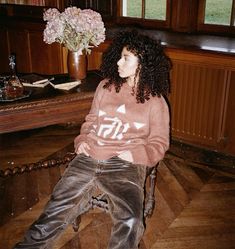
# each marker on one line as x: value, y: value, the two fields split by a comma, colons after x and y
x: 126, y: 130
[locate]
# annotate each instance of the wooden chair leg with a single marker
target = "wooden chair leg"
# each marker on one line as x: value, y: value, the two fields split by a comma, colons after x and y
x: 150, y: 198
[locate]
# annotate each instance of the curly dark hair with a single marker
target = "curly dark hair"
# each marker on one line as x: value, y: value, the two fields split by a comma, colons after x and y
x: 154, y: 69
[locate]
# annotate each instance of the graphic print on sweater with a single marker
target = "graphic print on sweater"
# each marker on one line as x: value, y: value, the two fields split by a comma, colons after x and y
x: 114, y: 127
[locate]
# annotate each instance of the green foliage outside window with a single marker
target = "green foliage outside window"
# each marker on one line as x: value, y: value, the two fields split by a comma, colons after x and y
x: 154, y: 9
x: 216, y: 11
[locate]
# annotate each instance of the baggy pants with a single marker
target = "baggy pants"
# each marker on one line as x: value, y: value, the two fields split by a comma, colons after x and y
x: 122, y: 181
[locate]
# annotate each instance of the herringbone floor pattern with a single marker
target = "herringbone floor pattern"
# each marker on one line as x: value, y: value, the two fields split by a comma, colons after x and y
x: 194, y: 202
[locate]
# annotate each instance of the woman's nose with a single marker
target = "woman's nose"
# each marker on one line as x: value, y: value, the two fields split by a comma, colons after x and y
x: 119, y: 62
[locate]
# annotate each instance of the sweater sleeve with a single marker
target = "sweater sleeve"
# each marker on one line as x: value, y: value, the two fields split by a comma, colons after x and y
x: 91, y: 116
x: 157, y: 144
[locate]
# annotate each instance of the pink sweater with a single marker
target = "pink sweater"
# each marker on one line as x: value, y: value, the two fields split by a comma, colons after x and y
x: 117, y: 123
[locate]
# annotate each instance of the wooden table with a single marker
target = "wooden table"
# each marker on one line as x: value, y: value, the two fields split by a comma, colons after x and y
x: 49, y: 107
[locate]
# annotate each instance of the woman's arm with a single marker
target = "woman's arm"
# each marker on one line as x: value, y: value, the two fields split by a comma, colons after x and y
x: 89, y: 121
x: 159, y: 135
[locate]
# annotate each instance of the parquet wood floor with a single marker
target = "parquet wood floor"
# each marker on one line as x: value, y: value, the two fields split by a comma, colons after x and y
x: 195, y: 196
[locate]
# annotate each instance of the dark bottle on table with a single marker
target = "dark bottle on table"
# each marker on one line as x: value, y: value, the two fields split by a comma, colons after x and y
x: 13, y: 87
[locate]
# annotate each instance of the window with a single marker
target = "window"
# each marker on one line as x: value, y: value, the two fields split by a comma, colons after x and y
x: 216, y: 15
x: 219, y: 12
x: 202, y: 16
x: 153, y: 9
x: 145, y: 12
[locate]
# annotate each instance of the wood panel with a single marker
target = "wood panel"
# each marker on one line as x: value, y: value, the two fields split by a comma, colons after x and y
x: 95, y: 58
x: 197, y: 101
x: 19, y: 45
x: 4, y: 51
x: 107, y: 8
x: 32, y: 53
x: 45, y: 59
x: 184, y: 15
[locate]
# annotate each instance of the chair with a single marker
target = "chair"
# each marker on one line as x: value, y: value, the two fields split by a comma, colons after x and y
x: 100, y: 201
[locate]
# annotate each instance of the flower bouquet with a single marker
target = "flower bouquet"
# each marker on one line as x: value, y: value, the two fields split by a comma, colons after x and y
x: 78, y: 30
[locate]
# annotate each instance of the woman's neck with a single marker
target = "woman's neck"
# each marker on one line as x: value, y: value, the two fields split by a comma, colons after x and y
x: 131, y: 81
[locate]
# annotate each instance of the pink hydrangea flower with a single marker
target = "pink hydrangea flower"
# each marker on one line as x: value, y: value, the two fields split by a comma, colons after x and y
x: 76, y: 29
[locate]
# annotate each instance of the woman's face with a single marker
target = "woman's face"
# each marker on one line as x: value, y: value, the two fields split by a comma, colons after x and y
x: 127, y: 64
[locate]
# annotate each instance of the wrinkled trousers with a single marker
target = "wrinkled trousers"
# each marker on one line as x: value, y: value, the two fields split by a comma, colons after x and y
x: 121, y: 181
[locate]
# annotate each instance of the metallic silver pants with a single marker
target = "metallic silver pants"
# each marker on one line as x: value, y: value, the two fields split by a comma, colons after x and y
x: 123, y: 182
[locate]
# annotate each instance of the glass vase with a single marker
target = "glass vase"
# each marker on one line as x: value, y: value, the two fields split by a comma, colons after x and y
x: 13, y: 87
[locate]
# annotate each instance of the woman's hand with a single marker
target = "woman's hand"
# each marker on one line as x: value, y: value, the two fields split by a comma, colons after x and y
x: 83, y: 148
x: 126, y: 155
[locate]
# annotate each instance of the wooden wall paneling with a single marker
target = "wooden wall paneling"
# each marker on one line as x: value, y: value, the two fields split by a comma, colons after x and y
x: 46, y: 59
x: 81, y: 4
x: 4, y: 51
x: 54, y: 3
x: 86, y: 4
x: 107, y: 8
x: 64, y: 59
x: 95, y: 58
x: 184, y: 15
x: 32, y: 53
x: 19, y: 45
